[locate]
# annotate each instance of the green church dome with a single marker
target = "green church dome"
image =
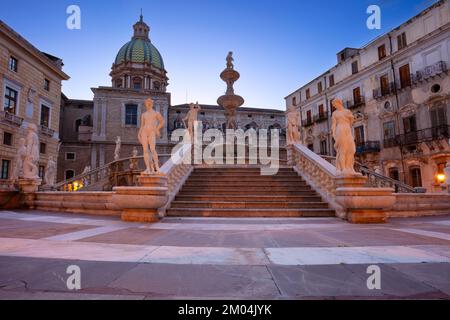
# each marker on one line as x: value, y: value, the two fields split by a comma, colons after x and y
x: 140, y: 50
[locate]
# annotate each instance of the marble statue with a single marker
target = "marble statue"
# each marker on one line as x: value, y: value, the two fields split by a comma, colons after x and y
x: 30, y: 165
x: 134, y: 160
x: 50, y: 172
x: 341, y: 129
x: 86, y: 179
x: 117, y: 150
x: 18, y: 161
x: 151, y: 124
x: 231, y: 119
x: 230, y: 60
x: 293, y: 120
x: 191, y: 118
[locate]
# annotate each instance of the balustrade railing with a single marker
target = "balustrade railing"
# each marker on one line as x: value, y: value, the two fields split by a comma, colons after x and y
x: 11, y: 118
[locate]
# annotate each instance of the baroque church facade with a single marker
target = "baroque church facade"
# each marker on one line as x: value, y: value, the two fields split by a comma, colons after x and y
x: 89, y: 129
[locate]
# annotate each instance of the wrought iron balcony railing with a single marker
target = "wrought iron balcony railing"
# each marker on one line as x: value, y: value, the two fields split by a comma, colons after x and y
x: 320, y: 117
x: 367, y: 147
x: 361, y: 101
x: 429, y: 71
x: 307, y: 122
x: 415, y: 137
x: 384, y: 91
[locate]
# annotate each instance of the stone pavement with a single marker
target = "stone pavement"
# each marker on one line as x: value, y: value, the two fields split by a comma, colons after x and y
x: 221, y: 258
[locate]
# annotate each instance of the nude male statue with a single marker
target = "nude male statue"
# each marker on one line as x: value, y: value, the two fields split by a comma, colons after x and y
x: 151, y: 124
x: 191, y: 117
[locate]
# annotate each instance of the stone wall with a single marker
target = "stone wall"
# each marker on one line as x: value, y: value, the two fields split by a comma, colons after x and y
x: 417, y: 205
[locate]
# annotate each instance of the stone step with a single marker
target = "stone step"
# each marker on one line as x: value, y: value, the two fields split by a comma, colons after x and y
x: 239, y: 183
x: 248, y: 205
x: 246, y: 189
x: 241, y: 197
x: 241, y: 174
x: 244, y: 192
x: 198, y: 212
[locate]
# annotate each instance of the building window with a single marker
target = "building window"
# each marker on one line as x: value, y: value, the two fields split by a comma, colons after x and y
x: 321, y: 111
x: 156, y: 86
x: 331, y: 80
x: 294, y: 101
x: 249, y: 116
x: 45, y: 116
x: 381, y: 52
x: 357, y: 95
x: 393, y: 174
x: 137, y: 83
x: 355, y: 67
x: 308, y: 94
x: 384, y: 84
x: 7, y: 138
x: 311, y: 147
x: 5, y: 169
x: 438, y: 117
x: 10, y: 102
x: 405, y: 76
x: 359, y: 136
x: 119, y: 83
x: 131, y: 114
x: 308, y: 116
x: 332, y: 108
x: 409, y: 124
x: 323, y: 147
x: 389, y: 130
x: 69, y: 174
x: 401, y: 41
x: 319, y: 87
x: 70, y: 156
x: 46, y: 85
x: 13, y: 64
x: 415, y: 177
x: 41, y: 172
x: 42, y: 147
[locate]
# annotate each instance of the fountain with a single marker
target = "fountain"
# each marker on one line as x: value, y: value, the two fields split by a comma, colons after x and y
x: 230, y: 102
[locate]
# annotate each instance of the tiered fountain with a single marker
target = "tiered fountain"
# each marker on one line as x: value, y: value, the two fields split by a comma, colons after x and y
x: 230, y: 102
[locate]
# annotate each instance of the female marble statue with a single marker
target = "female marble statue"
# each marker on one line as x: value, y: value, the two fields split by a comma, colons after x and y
x: 30, y: 168
x: 341, y: 130
x: 18, y: 161
x: 50, y: 173
x: 191, y: 118
x: 117, y: 150
x: 293, y: 120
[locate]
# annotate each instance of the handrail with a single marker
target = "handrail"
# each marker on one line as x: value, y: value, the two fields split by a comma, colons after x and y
x: 103, y: 171
x: 378, y: 180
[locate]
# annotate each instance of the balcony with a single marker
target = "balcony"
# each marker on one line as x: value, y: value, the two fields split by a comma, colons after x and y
x: 361, y: 101
x: 429, y: 72
x: 307, y: 123
x: 320, y: 117
x: 46, y: 131
x: 11, y: 118
x: 385, y: 91
x: 367, y: 147
x: 424, y: 135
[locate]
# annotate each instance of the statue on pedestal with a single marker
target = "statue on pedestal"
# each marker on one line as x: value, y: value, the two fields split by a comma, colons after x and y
x: 18, y: 162
x: 293, y: 120
x: 230, y: 60
x: 50, y: 172
x: 134, y: 160
x: 191, y: 118
x: 151, y: 124
x: 117, y: 150
x: 342, y: 120
x: 30, y: 167
x: 231, y: 119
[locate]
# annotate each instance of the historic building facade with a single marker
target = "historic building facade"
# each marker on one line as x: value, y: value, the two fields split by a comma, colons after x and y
x: 89, y: 128
x: 398, y: 87
x: 30, y: 86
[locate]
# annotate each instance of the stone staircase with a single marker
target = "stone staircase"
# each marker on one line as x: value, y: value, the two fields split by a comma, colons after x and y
x: 243, y: 192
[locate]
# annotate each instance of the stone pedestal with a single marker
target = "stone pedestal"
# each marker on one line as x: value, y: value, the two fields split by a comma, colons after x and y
x: 141, y: 203
x: 290, y: 155
x: 363, y: 204
x: 28, y: 188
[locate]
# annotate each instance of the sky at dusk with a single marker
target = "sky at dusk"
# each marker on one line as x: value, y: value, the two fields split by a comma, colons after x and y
x: 278, y: 45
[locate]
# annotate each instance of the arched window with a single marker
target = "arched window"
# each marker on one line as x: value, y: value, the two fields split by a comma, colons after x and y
x: 119, y: 83
x: 78, y: 123
x: 156, y: 86
x: 393, y: 174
